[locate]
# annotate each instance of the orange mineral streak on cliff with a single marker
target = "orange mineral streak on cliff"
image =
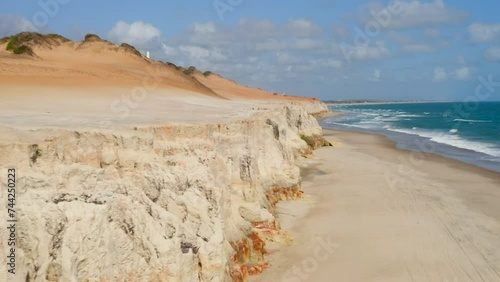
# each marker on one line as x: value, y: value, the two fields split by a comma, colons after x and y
x: 249, y: 253
x: 283, y: 194
x: 248, y: 258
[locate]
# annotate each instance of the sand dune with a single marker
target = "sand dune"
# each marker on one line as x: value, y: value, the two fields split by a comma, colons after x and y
x: 84, y: 83
x: 92, y: 62
x: 96, y: 62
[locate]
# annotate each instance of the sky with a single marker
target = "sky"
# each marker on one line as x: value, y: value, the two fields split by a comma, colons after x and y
x: 330, y: 49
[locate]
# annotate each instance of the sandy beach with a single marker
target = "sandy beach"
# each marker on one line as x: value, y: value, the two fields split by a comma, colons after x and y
x: 377, y: 213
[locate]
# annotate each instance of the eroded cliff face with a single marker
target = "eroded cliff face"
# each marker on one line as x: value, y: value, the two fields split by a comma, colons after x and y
x: 164, y: 203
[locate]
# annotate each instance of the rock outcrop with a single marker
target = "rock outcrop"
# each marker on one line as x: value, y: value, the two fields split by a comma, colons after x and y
x: 156, y: 203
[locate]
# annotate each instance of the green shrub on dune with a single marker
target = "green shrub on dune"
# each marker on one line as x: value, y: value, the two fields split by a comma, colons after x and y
x: 12, y: 43
x: 23, y: 50
x: 13, y: 46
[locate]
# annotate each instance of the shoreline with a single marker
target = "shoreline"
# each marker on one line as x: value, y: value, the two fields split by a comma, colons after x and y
x: 438, y: 220
x: 473, y: 162
x: 387, y: 103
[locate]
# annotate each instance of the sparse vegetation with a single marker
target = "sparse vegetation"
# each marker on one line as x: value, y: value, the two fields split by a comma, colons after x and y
x: 131, y: 49
x: 190, y: 71
x: 5, y: 39
x: 23, y: 50
x: 208, y: 73
x: 57, y: 36
x: 315, y: 142
x: 308, y: 140
x: 16, y: 48
x: 12, y: 43
x: 179, y: 68
x: 29, y: 37
x: 22, y: 42
x: 91, y: 36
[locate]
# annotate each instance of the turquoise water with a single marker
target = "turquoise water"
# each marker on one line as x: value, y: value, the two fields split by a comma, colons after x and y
x: 467, y: 132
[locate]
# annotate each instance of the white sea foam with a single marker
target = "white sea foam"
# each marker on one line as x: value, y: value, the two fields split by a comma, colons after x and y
x: 347, y: 125
x: 471, y: 120
x: 454, y: 140
x: 408, y: 115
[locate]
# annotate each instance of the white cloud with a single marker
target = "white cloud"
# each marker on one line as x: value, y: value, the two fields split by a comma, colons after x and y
x: 330, y: 63
x: 254, y: 28
x: 270, y: 45
x: 376, y: 76
x: 371, y: 53
x: 409, y: 44
x: 333, y: 63
x: 462, y: 73
x: 137, y: 33
x: 417, y: 48
x: 305, y: 43
x: 432, y: 32
x: 205, y: 28
x: 493, y: 54
x: 340, y: 31
x: 444, y: 44
x: 484, y: 32
x: 400, y: 38
x: 302, y: 27
x: 416, y: 13
x: 197, y: 53
x: 209, y: 34
x: 168, y: 50
x: 287, y: 58
x: 461, y: 60
x: 440, y: 74
x: 216, y: 47
x: 10, y: 25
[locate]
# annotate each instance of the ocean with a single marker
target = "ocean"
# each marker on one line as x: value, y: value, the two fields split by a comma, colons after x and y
x: 466, y: 132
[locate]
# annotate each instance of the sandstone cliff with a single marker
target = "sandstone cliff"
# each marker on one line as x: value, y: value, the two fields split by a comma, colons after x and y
x: 160, y: 203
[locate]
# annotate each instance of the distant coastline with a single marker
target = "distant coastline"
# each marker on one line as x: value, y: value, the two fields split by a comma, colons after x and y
x: 379, y: 102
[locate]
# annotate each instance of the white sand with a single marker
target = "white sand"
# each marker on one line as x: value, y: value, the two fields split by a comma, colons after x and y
x: 439, y: 223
